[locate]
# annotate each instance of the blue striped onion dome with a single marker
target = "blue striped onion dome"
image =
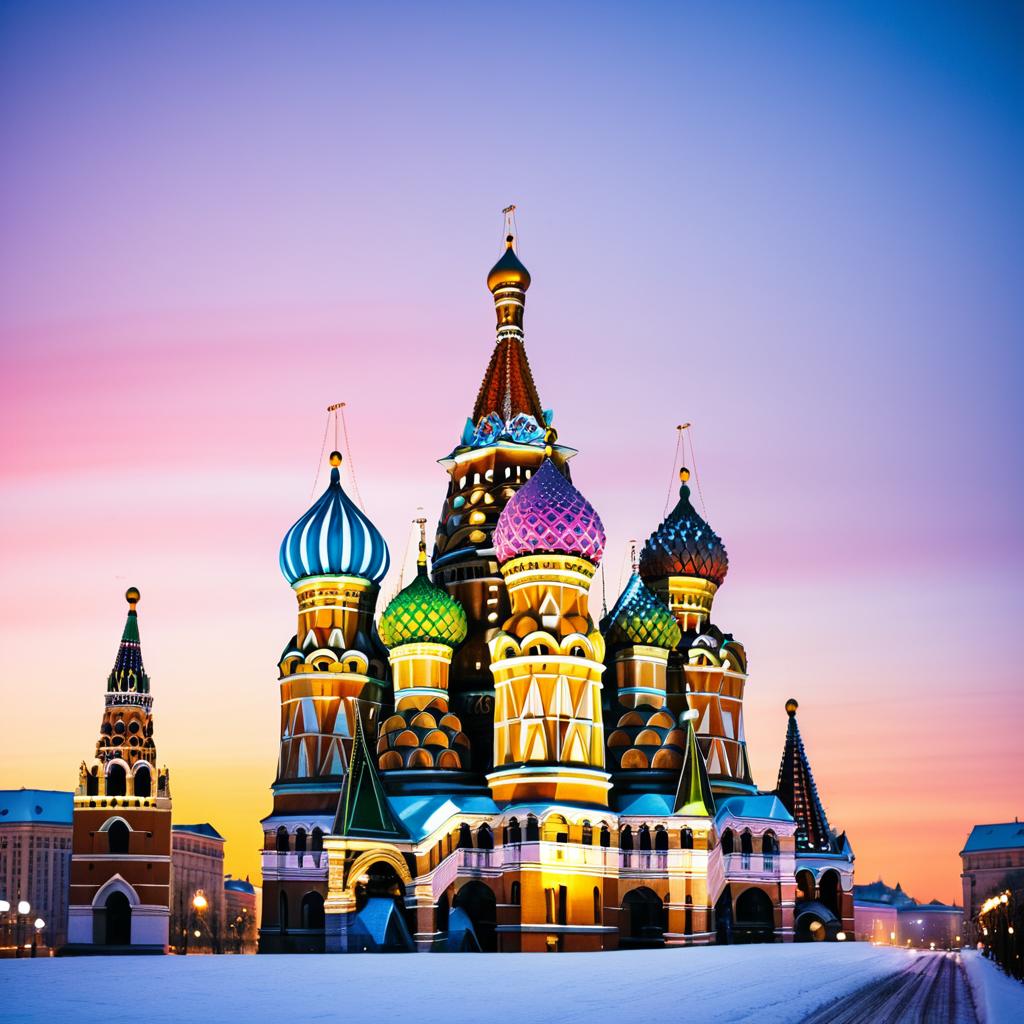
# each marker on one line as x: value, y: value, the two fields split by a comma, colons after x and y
x: 334, y: 538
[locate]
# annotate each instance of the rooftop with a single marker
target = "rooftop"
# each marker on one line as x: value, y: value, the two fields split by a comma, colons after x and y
x: 1006, y: 836
x: 35, y: 806
x: 205, y: 829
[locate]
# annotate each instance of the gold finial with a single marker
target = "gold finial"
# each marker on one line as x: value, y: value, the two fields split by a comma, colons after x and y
x: 421, y: 557
x: 791, y: 706
x: 131, y: 595
x: 632, y: 554
x: 550, y: 437
x: 684, y: 474
x: 335, y: 459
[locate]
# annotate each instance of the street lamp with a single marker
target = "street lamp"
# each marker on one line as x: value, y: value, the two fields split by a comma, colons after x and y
x: 39, y: 924
x: 24, y: 909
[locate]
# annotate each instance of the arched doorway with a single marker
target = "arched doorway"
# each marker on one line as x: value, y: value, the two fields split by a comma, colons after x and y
x: 478, y: 903
x: 313, y: 912
x: 117, y: 913
x: 755, y: 917
x: 815, y: 923
x: 830, y: 892
x: 642, y: 921
x: 805, y: 887
x: 723, y: 918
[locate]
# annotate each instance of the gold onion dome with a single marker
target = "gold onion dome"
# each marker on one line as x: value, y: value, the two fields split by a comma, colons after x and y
x: 640, y: 618
x: 423, y: 613
x: 684, y: 544
x: 509, y: 270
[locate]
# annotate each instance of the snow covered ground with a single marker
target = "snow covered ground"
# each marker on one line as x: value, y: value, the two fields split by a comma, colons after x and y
x: 997, y: 998
x: 780, y: 983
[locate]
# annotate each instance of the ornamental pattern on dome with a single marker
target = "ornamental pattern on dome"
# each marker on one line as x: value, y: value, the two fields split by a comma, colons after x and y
x: 423, y: 613
x: 640, y: 618
x: 548, y: 515
x: 334, y: 538
x: 684, y: 545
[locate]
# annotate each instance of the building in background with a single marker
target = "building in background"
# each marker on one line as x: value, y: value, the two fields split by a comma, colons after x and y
x: 993, y: 860
x: 197, y: 873
x: 241, y: 911
x: 889, y: 916
x: 121, y: 845
x: 493, y: 768
x: 35, y: 863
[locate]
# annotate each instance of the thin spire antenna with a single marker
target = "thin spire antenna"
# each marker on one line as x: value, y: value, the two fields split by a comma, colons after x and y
x: 511, y: 227
x: 696, y: 473
x: 674, y: 476
x: 421, y: 522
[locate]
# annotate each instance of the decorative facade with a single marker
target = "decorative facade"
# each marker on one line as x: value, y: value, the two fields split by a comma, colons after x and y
x: 121, y: 842
x: 488, y: 767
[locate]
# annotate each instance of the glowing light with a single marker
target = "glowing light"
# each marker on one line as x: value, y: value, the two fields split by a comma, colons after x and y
x: 40, y: 924
x: 840, y: 936
x: 199, y: 901
x: 197, y: 933
x: 4, y: 906
x: 24, y: 907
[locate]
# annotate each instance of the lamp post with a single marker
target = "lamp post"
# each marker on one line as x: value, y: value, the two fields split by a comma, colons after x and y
x: 24, y: 909
x: 199, y: 904
x: 39, y: 924
x: 5, y: 911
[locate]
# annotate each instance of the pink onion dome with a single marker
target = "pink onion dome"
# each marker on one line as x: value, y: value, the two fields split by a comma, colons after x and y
x: 547, y: 515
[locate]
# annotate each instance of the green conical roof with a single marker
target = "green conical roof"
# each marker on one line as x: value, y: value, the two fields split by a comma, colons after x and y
x: 423, y: 613
x: 640, y: 618
x: 693, y: 795
x: 364, y: 811
x: 129, y: 674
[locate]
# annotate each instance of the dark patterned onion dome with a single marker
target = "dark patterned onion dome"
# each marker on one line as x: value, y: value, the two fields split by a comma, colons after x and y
x: 423, y: 613
x: 334, y: 538
x: 684, y: 545
x: 431, y: 738
x: 547, y: 515
x: 646, y: 737
x: 640, y: 618
x: 509, y: 270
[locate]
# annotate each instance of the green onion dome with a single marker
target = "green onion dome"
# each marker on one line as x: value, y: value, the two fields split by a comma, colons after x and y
x: 640, y: 618
x: 423, y: 613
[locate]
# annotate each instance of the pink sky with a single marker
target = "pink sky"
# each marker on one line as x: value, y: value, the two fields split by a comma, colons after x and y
x: 803, y: 235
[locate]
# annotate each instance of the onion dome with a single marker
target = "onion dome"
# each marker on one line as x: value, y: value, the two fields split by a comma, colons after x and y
x: 509, y: 270
x: 640, y: 618
x: 427, y: 738
x: 644, y: 738
x: 547, y: 515
x: 684, y: 545
x: 334, y: 538
x: 423, y: 613
x: 129, y: 674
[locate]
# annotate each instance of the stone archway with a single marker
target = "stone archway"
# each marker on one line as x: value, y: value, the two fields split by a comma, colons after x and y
x: 755, y: 916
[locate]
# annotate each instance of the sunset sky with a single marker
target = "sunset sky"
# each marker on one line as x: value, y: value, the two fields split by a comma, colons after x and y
x: 802, y: 230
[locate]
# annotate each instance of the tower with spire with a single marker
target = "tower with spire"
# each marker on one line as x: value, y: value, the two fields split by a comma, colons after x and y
x: 487, y: 768
x: 121, y: 836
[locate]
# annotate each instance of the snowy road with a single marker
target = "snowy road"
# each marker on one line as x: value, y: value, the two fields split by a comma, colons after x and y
x: 779, y: 983
x: 932, y: 987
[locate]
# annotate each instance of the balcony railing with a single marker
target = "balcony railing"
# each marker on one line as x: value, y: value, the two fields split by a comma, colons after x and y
x: 751, y: 864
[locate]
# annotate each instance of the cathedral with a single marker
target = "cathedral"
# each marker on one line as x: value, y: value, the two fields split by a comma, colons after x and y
x: 482, y: 765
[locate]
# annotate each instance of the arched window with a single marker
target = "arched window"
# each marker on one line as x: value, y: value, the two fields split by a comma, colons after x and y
x: 769, y: 844
x: 282, y: 911
x: 117, y: 782
x: 727, y: 841
x: 606, y: 836
x: 746, y: 842
x: 514, y: 894
x: 686, y: 838
x: 313, y: 912
x: 645, y: 837
x: 118, y: 836
x: 484, y: 838
x: 441, y: 911
x: 142, y: 781
x: 317, y: 837
x: 282, y: 841
x: 465, y: 837
x: 92, y: 783
x: 688, y: 916
x: 513, y: 833
x: 660, y: 839
x: 587, y: 837
x: 578, y: 652
x: 626, y: 838
x: 300, y: 840
x: 597, y: 905
x: 532, y: 830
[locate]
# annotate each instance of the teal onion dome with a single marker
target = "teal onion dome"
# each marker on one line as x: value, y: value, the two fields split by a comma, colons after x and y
x: 640, y: 618
x: 334, y: 538
x: 684, y: 545
x: 423, y: 613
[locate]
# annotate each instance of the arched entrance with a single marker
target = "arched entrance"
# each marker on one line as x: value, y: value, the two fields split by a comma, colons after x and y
x: 805, y: 887
x: 755, y: 917
x: 723, y: 917
x: 642, y: 921
x: 117, y: 913
x: 478, y: 903
x: 830, y: 892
